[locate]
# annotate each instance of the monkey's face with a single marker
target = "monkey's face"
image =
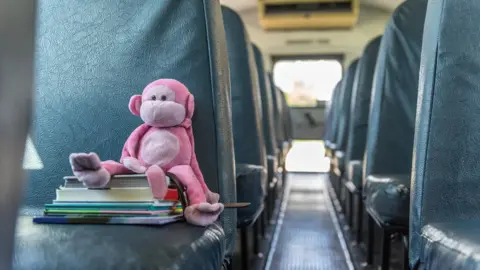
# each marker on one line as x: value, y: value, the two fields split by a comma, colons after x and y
x: 159, y: 107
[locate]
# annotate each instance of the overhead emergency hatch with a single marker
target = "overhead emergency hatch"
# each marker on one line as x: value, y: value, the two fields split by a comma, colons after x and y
x: 308, y: 14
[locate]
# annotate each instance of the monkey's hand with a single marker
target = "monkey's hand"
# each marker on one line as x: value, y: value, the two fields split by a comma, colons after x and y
x: 134, y: 165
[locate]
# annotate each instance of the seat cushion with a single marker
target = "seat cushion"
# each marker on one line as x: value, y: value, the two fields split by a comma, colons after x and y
x: 354, y: 174
x: 250, y: 188
x: 454, y: 245
x: 102, y: 247
x: 387, y: 198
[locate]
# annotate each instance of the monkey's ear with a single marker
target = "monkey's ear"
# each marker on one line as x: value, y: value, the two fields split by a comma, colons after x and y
x: 134, y: 105
x: 190, y: 106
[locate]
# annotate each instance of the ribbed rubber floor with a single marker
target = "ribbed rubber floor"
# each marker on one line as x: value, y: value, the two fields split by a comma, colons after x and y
x: 308, y: 237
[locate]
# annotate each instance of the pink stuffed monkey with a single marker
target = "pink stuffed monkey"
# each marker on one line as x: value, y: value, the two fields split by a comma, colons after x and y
x: 164, y: 143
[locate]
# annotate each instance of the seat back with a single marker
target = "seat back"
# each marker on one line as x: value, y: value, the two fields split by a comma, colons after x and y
x: 446, y: 170
x: 245, y: 93
x: 329, y: 115
x: 248, y: 133
x: 267, y: 105
x: 280, y: 115
x: 344, y: 107
x: 360, y: 102
x: 100, y: 54
x: 286, y: 117
x: 276, y: 112
x: 394, y: 93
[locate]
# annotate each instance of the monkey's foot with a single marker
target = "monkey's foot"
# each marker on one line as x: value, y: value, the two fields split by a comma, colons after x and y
x: 89, y: 170
x: 203, y: 214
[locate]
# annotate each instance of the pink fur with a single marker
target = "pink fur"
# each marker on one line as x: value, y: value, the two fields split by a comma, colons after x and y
x: 164, y: 143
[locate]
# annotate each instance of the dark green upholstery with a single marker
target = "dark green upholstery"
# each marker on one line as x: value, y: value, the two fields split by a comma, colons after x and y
x: 445, y: 208
x: 354, y: 172
x: 277, y: 116
x: 388, y: 198
x: 268, y: 121
x: 286, y: 117
x: 344, y: 106
x: 343, y: 119
x: 248, y: 133
x: 91, y: 57
x: 392, y: 114
x: 359, y: 111
x: 330, y: 111
x: 451, y: 245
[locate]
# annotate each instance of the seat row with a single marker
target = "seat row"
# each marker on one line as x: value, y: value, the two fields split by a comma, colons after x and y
x: 90, y: 58
x: 402, y: 135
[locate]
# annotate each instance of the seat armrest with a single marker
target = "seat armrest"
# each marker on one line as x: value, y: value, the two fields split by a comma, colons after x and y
x: 272, y: 163
x: 251, y: 185
x: 388, y: 198
x: 354, y: 172
x: 247, y: 169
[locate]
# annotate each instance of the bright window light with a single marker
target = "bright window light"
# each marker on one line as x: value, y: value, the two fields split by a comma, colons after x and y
x: 307, y: 83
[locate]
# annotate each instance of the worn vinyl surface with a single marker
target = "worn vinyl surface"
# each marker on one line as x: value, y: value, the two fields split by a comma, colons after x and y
x: 307, y: 236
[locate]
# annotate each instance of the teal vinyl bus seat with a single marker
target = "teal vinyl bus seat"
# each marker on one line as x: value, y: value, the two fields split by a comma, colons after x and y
x: 343, y: 120
x: 340, y: 136
x: 359, y: 112
x: 268, y: 127
x: 445, y: 222
x: 246, y: 117
x: 287, y: 123
x: 388, y: 157
x: 287, y: 129
x: 280, y: 140
x: 330, y: 125
x: 357, y: 132
x: 91, y: 57
x: 277, y: 116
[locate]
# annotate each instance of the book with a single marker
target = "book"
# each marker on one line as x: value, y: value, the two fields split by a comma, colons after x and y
x: 117, y: 181
x: 111, y: 205
x: 127, y: 199
x: 127, y: 187
x: 167, y: 208
x: 78, y: 219
x: 104, y: 195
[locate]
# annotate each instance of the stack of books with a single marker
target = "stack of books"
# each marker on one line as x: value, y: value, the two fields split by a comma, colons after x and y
x: 127, y: 199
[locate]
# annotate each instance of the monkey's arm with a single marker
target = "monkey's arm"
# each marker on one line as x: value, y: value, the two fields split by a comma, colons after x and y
x: 210, y: 196
x: 194, y: 162
x: 130, y: 150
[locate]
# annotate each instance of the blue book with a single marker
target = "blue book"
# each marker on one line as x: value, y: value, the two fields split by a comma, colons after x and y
x: 71, y: 219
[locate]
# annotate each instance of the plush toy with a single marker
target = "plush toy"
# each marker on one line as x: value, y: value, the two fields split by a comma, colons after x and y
x: 164, y: 143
